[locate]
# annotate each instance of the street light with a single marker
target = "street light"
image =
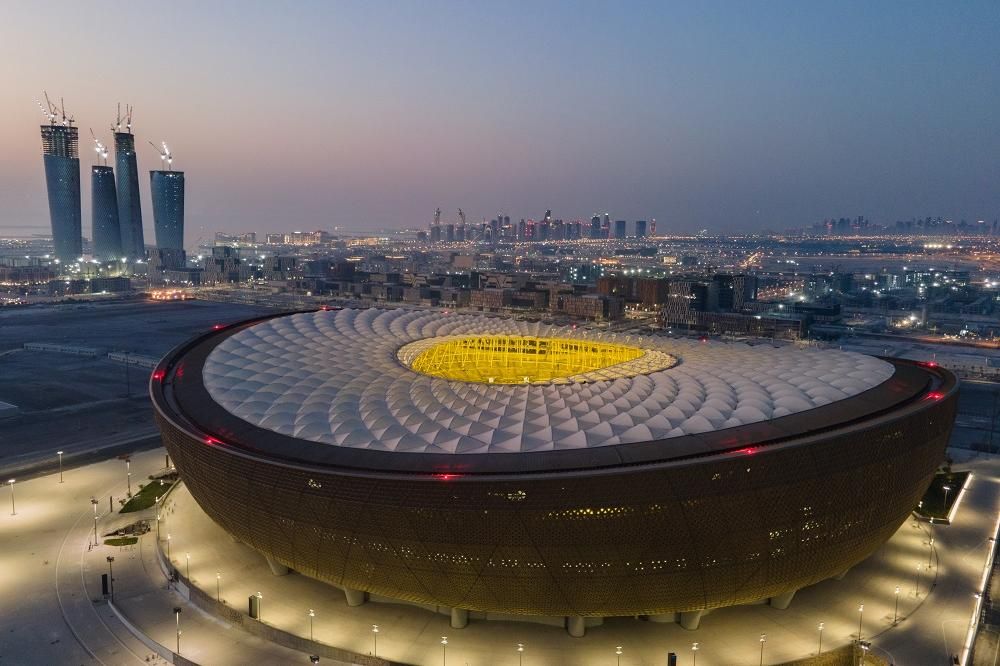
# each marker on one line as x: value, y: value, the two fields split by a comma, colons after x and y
x: 375, y: 640
x: 930, y: 552
x: 819, y: 650
x: 946, y: 489
x: 763, y: 640
x: 694, y: 654
x: 861, y: 614
x: 128, y: 475
x: 618, y: 651
x: 187, y: 556
x: 312, y: 614
x: 218, y: 586
x: 895, y: 610
x: 444, y: 651
x: 11, y: 483
x: 916, y: 589
x: 168, y: 547
x: 520, y: 653
x: 60, y: 454
x: 93, y: 502
x: 111, y: 576
x: 177, y: 617
x: 260, y: 615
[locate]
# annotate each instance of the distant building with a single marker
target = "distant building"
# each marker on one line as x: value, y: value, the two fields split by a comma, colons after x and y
x: 595, y: 227
x: 640, y: 228
x: 60, y: 153
x: 129, y: 208
x: 104, y: 214
x: 620, y: 228
x: 167, y: 190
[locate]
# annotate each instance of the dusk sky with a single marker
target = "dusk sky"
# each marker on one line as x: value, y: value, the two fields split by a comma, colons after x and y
x: 727, y: 116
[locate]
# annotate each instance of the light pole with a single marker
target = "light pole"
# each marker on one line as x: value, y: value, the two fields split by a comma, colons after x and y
x: 218, y: 586
x: 11, y: 483
x: 916, y: 589
x: 60, y: 454
x: 375, y: 640
x: 260, y: 603
x: 930, y: 552
x: 168, y: 547
x: 946, y: 489
x: 895, y: 610
x: 819, y: 650
x: 157, y: 527
x: 93, y: 502
x: 444, y: 651
x: 520, y: 654
x: 312, y: 614
x: 763, y: 640
x: 128, y: 475
x: 177, y: 617
x: 694, y: 654
x: 618, y: 652
x: 111, y: 576
x: 861, y: 614
x: 187, y: 570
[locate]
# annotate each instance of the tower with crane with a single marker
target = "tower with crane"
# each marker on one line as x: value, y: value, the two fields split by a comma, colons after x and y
x: 167, y: 190
x: 104, y: 207
x: 127, y: 185
x: 60, y: 155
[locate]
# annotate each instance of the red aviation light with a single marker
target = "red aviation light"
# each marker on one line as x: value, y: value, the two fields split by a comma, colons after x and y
x: 218, y: 327
x: 444, y: 476
x: 929, y: 364
x: 212, y: 441
x: 748, y: 450
x: 158, y: 375
x: 934, y: 395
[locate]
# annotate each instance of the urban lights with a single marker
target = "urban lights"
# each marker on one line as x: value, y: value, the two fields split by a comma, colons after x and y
x: 10, y: 482
x: 312, y: 615
x: 694, y: 654
x: 374, y: 640
x: 819, y: 650
x: 444, y: 651
x: 618, y: 653
x: 520, y: 654
x: 60, y: 454
x: 763, y: 641
x: 177, y: 617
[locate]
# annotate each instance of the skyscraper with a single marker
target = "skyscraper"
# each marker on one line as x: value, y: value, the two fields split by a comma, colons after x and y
x: 167, y: 188
x: 104, y: 214
x: 620, y: 228
x: 60, y: 153
x: 640, y: 228
x: 129, y: 210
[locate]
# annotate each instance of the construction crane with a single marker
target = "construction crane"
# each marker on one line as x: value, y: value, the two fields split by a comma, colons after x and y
x: 102, y: 150
x: 117, y: 127
x: 461, y: 216
x: 165, y: 154
x: 437, y: 217
x: 48, y: 110
x: 68, y: 122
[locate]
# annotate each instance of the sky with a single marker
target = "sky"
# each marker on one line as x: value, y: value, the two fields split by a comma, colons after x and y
x: 726, y: 116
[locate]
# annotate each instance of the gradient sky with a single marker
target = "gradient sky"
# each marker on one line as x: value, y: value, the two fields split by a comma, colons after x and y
x: 727, y: 116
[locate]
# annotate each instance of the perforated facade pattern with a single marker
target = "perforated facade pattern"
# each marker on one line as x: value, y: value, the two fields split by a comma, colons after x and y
x: 698, y: 531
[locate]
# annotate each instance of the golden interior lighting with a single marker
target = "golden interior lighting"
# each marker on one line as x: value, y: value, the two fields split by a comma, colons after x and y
x: 519, y: 359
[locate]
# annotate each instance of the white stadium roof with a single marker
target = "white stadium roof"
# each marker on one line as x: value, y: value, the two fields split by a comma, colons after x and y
x: 334, y: 377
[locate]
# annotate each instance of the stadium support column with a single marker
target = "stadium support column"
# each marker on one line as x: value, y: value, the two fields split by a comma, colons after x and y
x: 277, y: 568
x: 782, y: 601
x: 575, y: 626
x: 691, y: 619
x: 354, y: 597
x: 459, y: 618
x: 664, y: 618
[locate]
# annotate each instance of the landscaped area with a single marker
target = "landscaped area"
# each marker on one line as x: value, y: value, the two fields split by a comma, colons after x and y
x: 121, y: 541
x: 942, y: 494
x: 147, y: 495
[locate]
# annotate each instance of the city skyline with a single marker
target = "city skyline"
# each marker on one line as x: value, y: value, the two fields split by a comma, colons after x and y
x: 725, y: 117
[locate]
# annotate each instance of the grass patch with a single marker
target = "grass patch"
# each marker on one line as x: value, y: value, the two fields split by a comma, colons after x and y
x: 121, y: 541
x: 933, y: 504
x: 146, y: 497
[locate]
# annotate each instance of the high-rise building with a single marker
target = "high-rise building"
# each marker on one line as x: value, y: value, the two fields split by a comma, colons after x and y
x: 60, y: 153
x: 595, y: 227
x: 640, y: 228
x: 129, y: 210
x: 104, y: 214
x: 167, y: 190
x: 620, y: 228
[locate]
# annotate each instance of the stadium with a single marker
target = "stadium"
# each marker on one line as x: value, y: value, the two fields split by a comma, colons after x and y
x: 511, y: 468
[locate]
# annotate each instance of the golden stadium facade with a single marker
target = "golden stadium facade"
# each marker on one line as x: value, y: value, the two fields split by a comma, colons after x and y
x: 507, y: 467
